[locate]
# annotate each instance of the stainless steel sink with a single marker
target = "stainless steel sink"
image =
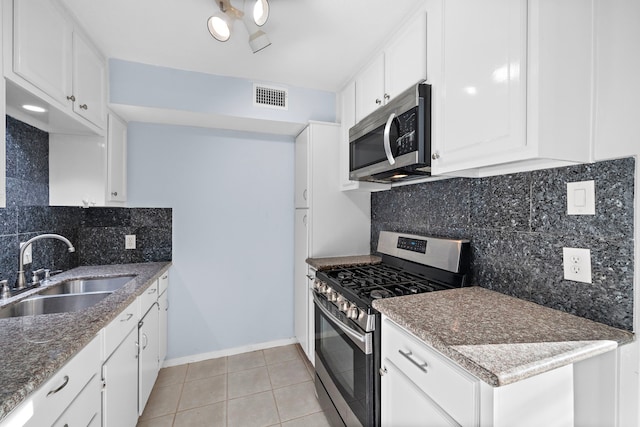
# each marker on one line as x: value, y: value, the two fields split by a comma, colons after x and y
x: 53, y: 304
x: 81, y: 286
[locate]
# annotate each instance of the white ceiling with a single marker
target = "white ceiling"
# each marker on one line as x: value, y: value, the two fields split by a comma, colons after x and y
x: 317, y: 44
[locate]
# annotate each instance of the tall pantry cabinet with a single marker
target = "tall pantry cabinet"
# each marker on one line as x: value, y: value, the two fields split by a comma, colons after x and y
x: 328, y: 222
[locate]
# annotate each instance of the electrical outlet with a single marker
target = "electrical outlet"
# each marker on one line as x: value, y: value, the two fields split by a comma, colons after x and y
x: 130, y: 241
x: 27, y: 257
x: 577, y: 264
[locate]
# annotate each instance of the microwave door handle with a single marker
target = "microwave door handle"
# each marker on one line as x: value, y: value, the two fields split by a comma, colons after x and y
x: 387, y: 143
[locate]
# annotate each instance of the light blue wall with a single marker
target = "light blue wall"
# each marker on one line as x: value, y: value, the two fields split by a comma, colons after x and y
x: 132, y: 83
x: 232, y: 200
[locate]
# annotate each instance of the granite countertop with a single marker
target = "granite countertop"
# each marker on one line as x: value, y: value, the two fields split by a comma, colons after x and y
x: 33, y: 348
x: 343, y: 261
x: 498, y: 338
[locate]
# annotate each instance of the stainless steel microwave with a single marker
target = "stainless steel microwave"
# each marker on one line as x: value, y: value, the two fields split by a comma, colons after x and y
x: 393, y: 143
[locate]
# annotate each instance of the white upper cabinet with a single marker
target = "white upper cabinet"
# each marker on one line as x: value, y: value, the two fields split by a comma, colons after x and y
x: 511, y: 84
x: 402, y: 63
x: 301, y: 183
x: 370, y: 92
x: 42, y: 47
x: 89, y: 82
x: 116, y: 160
x: 52, y: 61
x: 405, y: 58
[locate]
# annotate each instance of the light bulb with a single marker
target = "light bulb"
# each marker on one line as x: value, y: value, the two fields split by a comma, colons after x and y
x: 219, y: 28
x: 260, y: 12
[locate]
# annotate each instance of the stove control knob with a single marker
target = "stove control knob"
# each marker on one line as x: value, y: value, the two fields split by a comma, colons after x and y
x: 333, y: 296
x: 353, y: 312
x: 344, y: 306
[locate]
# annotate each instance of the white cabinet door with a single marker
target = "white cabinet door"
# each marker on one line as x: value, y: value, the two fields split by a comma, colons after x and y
x: 116, y: 159
x: 148, y: 365
x: 405, y: 58
x: 120, y: 393
x: 480, y: 89
x: 370, y: 92
x: 42, y: 47
x: 89, y: 82
x: 302, y: 170
x: 405, y: 404
x: 163, y: 302
x: 301, y: 291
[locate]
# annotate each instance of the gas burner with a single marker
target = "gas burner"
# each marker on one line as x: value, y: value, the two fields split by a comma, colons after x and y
x: 381, y: 293
x: 344, y: 275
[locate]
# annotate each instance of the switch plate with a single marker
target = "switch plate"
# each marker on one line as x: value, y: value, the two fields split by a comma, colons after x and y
x: 27, y: 257
x: 130, y: 241
x: 581, y: 198
x: 577, y: 264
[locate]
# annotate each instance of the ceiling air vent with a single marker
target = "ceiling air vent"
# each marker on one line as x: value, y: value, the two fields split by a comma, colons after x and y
x: 270, y: 97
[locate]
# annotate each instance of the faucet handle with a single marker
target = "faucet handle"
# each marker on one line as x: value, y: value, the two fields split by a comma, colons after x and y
x: 35, y: 279
x: 5, y: 292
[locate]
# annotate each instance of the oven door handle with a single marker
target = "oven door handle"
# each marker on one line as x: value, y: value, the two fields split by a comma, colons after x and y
x: 363, y: 341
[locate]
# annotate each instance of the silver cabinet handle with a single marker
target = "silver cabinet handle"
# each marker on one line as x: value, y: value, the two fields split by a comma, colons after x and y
x: 382, y: 371
x: 146, y: 341
x: 71, y: 98
x: 165, y: 277
x: 387, y: 143
x: 386, y: 96
x: 422, y: 366
x: 64, y: 384
x: 310, y: 277
x: 114, y: 193
x: 129, y: 316
x: 151, y: 291
x: 435, y: 156
x: 378, y: 101
x: 84, y: 107
x: 304, y: 194
x: 304, y: 220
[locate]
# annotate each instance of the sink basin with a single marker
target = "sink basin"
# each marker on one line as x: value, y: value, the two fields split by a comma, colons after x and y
x: 53, y: 304
x: 81, y: 286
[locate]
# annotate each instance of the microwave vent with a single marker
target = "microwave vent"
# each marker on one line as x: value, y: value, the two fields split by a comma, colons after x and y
x: 270, y: 97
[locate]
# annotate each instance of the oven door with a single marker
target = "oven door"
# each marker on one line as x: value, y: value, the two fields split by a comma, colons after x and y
x: 345, y: 367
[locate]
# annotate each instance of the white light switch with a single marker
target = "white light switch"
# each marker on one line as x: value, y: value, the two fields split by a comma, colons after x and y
x: 581, y: 198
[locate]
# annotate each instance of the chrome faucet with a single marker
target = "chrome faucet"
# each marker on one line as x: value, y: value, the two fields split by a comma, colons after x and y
x: 21, y: 282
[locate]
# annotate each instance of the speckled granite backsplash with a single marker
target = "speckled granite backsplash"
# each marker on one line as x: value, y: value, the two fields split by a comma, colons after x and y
x: 518, y: 226
x: 97, y: 233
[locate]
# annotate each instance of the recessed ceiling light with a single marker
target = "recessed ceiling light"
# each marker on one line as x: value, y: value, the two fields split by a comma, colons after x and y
x: 34, y: 108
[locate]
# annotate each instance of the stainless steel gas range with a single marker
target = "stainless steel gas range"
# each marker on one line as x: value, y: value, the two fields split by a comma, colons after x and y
x: 347, y: 328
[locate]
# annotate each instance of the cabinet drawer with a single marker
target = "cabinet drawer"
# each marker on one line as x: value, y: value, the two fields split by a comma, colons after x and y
x: 452, y: 388
x: 46, y: 404
x: 147, y: 299
x: 84, y: 408
x: 163, y: 283
x: 117, y: 330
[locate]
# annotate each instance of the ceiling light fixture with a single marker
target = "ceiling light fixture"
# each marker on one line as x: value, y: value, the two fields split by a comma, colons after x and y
x: 221, y: 23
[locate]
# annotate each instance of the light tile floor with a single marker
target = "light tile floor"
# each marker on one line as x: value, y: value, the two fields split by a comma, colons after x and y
x: 272, y: 387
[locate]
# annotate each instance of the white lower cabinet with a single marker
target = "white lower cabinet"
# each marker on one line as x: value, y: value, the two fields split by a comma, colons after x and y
x: 120, y: 393
x: 420, y: 386
x: 163, y: 326
x: 148, y: 360
x: 406, y: 404
x: 58, y: 396
x: 85, y: 409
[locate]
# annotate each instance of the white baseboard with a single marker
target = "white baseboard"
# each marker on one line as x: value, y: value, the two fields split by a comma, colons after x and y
x: 227, y: 352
